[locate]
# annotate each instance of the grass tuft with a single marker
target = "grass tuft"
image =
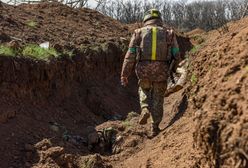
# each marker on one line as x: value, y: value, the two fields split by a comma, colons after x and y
x: 7, y: 51
x: 32, y: 24
x: 193, y: 79
x: 37, y: 52
x: 198, y: 39
x: 195, y: 49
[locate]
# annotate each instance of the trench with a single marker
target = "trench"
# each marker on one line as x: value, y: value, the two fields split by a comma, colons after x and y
x: 76, y: 93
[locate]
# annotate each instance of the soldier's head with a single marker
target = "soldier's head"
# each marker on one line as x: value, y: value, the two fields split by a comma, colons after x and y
x: 152, y: 14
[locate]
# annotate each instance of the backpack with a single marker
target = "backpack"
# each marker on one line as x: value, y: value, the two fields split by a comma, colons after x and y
x: 153, y: 44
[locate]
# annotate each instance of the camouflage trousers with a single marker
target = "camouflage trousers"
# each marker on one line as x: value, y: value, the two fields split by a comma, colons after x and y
x: 151, y: 96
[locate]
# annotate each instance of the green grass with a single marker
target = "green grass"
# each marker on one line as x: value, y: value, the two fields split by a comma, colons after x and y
x: 198, y: 38
x: 195, y: 49
x: 32, y: 24
x: 36, y: 52
x: 193, y: 79
x: 7, y: 51
x: 97, y: 48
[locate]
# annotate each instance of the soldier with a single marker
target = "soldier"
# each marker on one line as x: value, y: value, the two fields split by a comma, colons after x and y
x: 151, y: 49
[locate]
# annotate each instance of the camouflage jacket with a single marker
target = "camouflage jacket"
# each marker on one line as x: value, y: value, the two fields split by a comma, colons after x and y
x: 155, y: 71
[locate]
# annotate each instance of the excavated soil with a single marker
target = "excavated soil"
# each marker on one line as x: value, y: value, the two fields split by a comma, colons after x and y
x: 212, y: 132
x: 74, y: 92
x: 61, y: 25
x: 41, y: 100
x: 44, y: 102
x: 195, y: 32
x: 219, y: 97
x: 173, y: 147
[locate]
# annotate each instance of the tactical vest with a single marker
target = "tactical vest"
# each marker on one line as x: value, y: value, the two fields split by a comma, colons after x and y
x: 153, y: 45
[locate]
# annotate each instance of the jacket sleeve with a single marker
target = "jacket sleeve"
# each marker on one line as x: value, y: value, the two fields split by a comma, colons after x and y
x: 130, y: 57
x: 174, y: 47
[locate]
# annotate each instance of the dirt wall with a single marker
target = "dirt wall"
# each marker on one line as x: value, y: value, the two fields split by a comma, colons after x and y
x: 73, y: 91
x: 219, y: 97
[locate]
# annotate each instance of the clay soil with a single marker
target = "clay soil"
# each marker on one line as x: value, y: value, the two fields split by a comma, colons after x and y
x: 61, y: 25
x: 73, y: 92
x: 219, y: 97
x: 204, y: 124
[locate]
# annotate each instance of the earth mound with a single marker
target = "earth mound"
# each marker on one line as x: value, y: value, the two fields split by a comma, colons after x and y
x: 219, y: 97
x: 58, y: 24
x: 194, y: 32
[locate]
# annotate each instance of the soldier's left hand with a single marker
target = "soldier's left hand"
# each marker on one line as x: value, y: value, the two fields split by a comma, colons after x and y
x: 124, y: 81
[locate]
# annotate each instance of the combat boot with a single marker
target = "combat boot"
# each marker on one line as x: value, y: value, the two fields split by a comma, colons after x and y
x: 173, y: 89
x: 154, y: 132
x: 145, y: 114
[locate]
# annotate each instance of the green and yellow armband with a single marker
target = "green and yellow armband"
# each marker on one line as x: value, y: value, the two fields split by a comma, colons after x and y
x: 132, y: 50
x: 174, y: 51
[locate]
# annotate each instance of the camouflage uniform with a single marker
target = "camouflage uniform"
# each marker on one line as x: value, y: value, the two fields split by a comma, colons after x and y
x: 152, y: 75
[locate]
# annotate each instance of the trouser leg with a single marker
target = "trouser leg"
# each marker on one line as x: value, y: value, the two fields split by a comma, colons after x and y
x: 157, y: 97
x: 145, y: 93
x: 145, y: 99
x: 152, y: 98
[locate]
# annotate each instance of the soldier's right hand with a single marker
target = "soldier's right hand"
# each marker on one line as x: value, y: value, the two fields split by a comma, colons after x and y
x: 124, y: 81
